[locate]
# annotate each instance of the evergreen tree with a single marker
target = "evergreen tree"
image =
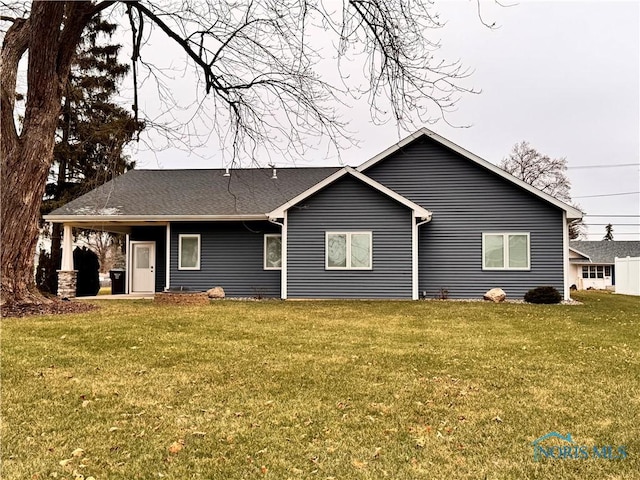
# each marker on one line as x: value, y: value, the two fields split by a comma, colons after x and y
x: 608, y: 236
x: 92, y: 131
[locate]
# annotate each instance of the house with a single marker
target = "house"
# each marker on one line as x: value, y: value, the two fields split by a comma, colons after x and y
x: 421, y: 219
x: 593, y: 262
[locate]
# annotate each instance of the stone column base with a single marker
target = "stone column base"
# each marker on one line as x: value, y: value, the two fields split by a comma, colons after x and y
x: 67, y: 281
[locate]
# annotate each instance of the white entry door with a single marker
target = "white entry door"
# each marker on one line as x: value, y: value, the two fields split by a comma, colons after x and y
x: 143, y: 267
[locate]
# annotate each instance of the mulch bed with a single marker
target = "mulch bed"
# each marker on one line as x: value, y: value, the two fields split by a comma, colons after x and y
x: 58, y: 307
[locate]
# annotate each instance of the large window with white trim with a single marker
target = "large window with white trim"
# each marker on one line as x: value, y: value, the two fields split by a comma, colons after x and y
x: 596, y: 271
x: 189, y: 252
x: 506, y: 251
x: 348, y: 250
x: 273, y: 251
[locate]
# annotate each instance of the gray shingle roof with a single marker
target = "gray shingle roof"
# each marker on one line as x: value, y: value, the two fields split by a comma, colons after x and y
x: 195, y: 192
x: 605, y: 251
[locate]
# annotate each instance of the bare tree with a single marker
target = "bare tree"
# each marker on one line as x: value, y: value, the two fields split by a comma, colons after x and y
x: 256, y: 61
x: 105, y: 245
x: 543, y: 172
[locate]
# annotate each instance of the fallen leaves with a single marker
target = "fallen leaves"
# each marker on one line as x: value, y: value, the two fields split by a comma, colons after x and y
x: 77, y: 453
x: 359, y: 464
x: 176, y: 447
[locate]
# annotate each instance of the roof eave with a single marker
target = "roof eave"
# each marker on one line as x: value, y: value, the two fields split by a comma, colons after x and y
x: 580, y: 253
x: 148, y: 218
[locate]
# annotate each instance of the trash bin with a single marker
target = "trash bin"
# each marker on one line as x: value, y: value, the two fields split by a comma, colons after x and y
x: 117, y: 281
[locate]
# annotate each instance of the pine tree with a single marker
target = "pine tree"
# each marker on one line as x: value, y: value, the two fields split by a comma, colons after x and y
x: 608, y: 236
x: 92, y: 131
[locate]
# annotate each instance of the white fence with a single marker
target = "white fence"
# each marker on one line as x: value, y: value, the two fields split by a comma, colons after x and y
x: 628, y: 275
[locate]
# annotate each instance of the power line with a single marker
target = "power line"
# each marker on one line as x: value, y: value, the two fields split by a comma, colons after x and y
x: 615, y: 224
x: 608, y: 195
x: 612, y: 216
x: 615, y: 233
x: 606, y: 166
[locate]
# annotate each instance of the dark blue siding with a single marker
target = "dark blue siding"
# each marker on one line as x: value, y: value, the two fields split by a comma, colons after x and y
x: 349, y: 205
x: 231, y: 257
x: 158, y: 235
x: 467, y: 200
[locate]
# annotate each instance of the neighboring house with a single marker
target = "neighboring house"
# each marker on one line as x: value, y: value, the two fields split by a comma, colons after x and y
x: 593, y: 262
x: 423, y: 217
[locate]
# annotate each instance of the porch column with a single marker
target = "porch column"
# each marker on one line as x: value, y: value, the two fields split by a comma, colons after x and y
x: 67, y: 276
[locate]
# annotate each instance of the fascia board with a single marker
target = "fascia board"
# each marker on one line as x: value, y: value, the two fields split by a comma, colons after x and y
x: 147, y: 218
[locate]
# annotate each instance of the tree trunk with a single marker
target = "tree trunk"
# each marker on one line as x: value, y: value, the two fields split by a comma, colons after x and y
x: 51, y: 35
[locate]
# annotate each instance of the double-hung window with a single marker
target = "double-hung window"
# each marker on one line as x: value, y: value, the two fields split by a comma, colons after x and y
x: 506, y: 251
x: 348, y: 250
x: 189, y: 252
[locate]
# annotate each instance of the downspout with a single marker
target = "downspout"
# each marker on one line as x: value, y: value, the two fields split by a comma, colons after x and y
x: 127, y: 263
x: 167, y: 281
x: 565, y: 256
x: 414, y: 253
x: 283, y: 270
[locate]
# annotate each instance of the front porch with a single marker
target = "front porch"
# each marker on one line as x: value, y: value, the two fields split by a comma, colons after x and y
x: 145, y: 259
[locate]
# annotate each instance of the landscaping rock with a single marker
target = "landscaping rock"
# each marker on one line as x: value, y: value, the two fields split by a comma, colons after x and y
x: 495, y: 295
x: 216, y: 292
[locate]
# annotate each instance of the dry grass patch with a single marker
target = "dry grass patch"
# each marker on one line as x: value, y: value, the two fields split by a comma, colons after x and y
x: 320, y: 390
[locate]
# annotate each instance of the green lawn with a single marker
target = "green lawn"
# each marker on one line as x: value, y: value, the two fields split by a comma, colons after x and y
x: 321, y: 390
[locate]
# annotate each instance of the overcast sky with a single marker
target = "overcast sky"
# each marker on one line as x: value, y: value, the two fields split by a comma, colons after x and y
x: 564, y: 76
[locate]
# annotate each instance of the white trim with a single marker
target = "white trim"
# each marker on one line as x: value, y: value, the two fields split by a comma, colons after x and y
x: 565, y: 257
x: 415, y: 252
x: 127, y: 264
x: 348, y: 235
x: 587, y: 257
x: 189, y: 235
x: 419, y: 211
x: 572, y: 212
x: 285, y: 267
x: 414, y: 259
x: 152, y: 259
x: 505, y: 251
x: 264, y: 251
x: 594, y: 267
x: 167, y: 280
x: 67, y: 249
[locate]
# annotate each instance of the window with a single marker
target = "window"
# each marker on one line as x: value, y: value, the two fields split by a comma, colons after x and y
x: 189, y: 252
x: 348, y: 250
x: 596, y: 271
x: 505, y: 251
x: 272, y: 251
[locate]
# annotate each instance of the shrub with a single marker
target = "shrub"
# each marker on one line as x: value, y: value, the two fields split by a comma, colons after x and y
x: 543, y: 295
